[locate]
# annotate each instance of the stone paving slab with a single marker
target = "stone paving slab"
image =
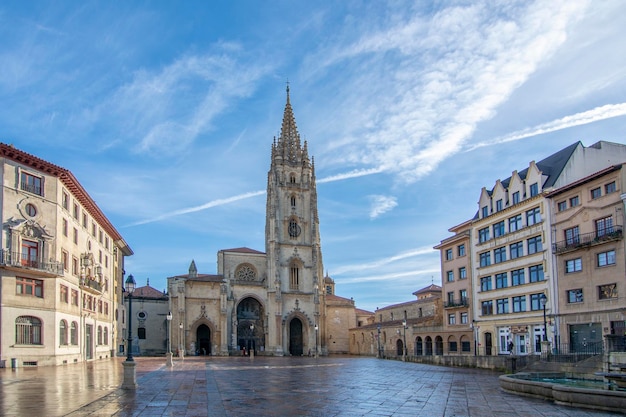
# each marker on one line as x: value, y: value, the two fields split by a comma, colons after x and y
x: 266, y: 386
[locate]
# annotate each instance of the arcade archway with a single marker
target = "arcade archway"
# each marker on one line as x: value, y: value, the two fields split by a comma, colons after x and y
x: 250, y: 327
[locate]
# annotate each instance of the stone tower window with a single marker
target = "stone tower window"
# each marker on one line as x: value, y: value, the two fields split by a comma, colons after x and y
x: 294, y: 277
x: 292, y: 178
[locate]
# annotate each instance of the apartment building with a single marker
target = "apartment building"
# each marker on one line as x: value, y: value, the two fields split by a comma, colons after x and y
x: 513, y: 274
x: 61, y: 263
x: 588, y: 246
x: 456, y: 286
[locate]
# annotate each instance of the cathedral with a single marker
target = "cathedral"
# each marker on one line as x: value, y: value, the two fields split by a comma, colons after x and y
x: 273, y: 302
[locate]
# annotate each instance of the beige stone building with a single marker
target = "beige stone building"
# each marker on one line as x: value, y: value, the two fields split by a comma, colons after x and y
x: 511, y: 258
x: 61, y: 263
x: 150, y: 330
x: 274, y: 302
x: 416, y: 325
x: 588, y: 246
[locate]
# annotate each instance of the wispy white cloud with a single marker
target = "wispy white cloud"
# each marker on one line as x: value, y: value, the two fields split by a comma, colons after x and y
x: 351, y: 174
x: 449, y: 73
x: 214, y: 203
x: 409, y: 277
x: 381, y: 204
x: 594, y: 115
x: 168, y: 108
x: 424, y: 251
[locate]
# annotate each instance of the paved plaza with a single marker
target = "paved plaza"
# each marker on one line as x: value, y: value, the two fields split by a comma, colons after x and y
x: 265, y: 386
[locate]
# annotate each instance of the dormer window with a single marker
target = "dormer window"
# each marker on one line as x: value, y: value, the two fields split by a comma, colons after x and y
x: 499, y: 205
x: 534, y: 189
x: 485, y: 211
x: 516, y: 197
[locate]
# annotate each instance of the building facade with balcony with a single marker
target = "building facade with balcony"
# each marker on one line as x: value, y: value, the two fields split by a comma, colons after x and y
x: 457, y: 284
x: 61, y: 263
x: 588, y: 248
x: 511, y: 251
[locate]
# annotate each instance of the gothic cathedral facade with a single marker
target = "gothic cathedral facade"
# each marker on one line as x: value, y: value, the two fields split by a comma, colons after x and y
x: 268, y: 303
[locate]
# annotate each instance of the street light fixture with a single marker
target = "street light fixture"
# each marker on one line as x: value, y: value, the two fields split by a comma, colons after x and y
x: 252, y: 340
x: 379, y: 352
x: 404, y: 338
x: 181, y: 342
x: 316, y: 329
x: 130, y: 373
x: 544, y: 299
x: 168, y: 361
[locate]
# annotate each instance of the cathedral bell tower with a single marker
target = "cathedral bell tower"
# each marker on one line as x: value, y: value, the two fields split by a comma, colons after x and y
x: 292, y: 245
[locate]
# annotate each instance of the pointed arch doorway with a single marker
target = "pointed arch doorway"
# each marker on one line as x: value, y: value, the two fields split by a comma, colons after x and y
x: 250, y: 327
x: 296, y: 345
x: 203, y: 336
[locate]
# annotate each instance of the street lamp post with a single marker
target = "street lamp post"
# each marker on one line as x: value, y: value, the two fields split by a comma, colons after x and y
x: 544, y: 299
x: 316, y: 329
x: 252, y: 340
x: 181, y: 343
x: 130, y: 373
x: 380, y: 355
x: 404, y: 339
x: 168, y: 361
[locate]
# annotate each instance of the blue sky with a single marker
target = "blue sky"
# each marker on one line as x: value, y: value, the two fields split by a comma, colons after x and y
x: 166, y: 111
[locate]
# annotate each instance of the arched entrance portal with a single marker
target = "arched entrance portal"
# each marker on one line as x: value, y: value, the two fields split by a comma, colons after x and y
x: 296, y: 347
x: 203, y: 336
x: 250, y: 330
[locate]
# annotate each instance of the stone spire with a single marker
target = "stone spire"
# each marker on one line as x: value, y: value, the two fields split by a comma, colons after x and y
x: 193, y: 271
x: 288, y: 147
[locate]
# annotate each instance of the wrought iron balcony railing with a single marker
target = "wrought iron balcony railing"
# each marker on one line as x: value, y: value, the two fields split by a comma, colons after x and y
x: 461, y: 302
x: 91, y: 284
x: 16, y: 259
x: 588, y: 239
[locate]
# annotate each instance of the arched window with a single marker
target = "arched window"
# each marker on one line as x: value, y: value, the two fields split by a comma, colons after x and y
x: 294, y: 276
x: 419, y: 348
x: 28, y: 331
x: 99, y: 335
x: 438, y: 345
x: 293, y: 201
x: 63, y: 332
x: 292, y: 178
x: 74, y: 333
x: 106, y: 335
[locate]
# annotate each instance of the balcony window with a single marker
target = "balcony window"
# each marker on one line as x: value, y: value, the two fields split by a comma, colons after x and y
x: 604, y: 226
x: 30, y: 253
x: 31, y: 184
x: 572, y: 236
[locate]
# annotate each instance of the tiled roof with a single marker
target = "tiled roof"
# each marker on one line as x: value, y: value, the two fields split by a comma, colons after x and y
x: 201, y: 277
x: 148, y: 292
x: 243, y: 250
x: 430, y: 288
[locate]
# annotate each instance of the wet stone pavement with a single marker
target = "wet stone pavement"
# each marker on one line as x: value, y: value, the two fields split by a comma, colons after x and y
x: 266, y: 386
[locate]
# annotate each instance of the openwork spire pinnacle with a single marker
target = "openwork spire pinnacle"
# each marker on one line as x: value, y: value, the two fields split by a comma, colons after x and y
x: 289, y: 145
